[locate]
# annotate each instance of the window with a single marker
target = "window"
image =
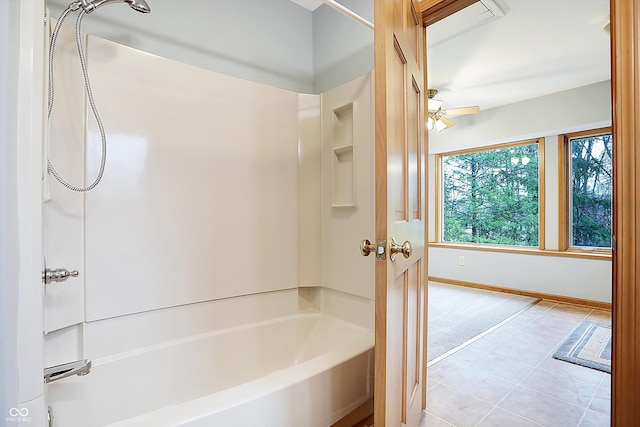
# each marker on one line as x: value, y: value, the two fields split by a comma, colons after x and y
x: 589, y: 189
x: 492, y: 196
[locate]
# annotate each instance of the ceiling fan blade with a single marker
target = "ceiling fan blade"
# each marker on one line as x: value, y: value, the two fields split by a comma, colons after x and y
x: 447, y: 122
x: 463, y: 110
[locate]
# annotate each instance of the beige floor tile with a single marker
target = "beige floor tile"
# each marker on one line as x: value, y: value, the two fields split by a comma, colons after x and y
x: 562, y: 387
x: 513, y: 368
x: 430, y: 420
x: 443, y: 369
x: 489, y: 341
x: 534, y: 340
x: 479, y: 384
x: 593, y: 419
x: 601, y: 316
x: 522, y: 352
x: 465, y: 355
x: 601, y: 402
x: 580, y: 373
x: 542, y: 408
x: 606, y: 382
x: 552, y: 328
x: 431, y: 383
x: 502, y: 367
x: 570, y: 309
x: 459, y: 409
x: 501, y: 418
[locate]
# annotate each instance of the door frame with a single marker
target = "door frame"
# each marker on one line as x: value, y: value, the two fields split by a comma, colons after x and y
x: 625, y: 102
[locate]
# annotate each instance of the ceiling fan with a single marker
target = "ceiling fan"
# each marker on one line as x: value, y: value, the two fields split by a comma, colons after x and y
x: 436, y: 115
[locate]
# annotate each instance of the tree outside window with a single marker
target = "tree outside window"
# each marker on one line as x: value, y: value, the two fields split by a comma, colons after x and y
x: 492, y: 196
x: 590, y: 190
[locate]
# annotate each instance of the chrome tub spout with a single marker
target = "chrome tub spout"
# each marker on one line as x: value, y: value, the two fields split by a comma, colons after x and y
x: 79, y: 367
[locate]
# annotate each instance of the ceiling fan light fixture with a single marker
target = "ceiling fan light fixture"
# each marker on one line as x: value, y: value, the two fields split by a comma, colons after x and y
x: 440, y: 125
x: 434, y: 104
x: 436, y: 115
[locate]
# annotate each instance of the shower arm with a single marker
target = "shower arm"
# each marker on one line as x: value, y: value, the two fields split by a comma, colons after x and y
x: 137, y: 5
x: 90, y: 6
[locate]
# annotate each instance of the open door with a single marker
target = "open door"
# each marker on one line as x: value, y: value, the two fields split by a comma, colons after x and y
x: 400, y: 147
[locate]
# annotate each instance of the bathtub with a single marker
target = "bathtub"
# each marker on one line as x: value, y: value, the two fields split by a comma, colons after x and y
x: 301, y: 370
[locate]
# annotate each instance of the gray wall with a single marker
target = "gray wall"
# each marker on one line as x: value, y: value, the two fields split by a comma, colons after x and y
x: 342, y: 47
x: 275, y: 42
x: 266, y: 41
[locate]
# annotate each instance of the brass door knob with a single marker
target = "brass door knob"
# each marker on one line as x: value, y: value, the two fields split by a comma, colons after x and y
x: 366, y: 247
x: 405, y: 249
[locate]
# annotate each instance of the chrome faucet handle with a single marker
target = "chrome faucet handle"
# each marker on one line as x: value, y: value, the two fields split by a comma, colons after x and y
x: 57, y: 275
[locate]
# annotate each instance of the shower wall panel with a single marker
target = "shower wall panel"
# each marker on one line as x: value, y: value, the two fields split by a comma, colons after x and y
x: 63, y: 210
x: 348, y: 199
x: 309, y: 188
x: 199, y: 197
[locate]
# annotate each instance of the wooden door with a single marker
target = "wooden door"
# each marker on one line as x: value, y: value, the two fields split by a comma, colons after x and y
x: 400, y: 213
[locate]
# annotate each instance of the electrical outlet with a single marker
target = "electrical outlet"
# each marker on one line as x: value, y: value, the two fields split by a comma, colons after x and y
x: 461, y: 261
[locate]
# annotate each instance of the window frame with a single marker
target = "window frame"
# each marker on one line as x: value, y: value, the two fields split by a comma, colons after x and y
x: 439, y: 197
x: 564, y: 192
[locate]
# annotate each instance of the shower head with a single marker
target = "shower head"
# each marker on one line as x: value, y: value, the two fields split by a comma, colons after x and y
x: 137, y: 5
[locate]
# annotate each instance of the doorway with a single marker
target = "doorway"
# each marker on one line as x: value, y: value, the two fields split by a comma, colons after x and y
x: 625, y: 96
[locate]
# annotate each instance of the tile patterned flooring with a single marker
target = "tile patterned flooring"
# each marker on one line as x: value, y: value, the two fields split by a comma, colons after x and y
x: 508, y: 377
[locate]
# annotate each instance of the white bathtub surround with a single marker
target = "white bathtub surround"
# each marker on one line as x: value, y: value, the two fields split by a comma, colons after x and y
x: 104, y: 338
x: 202, y: 171
x: 348, y: 199
x: 63, y: 210
x: 309, y: 189
x: 348, y: 307
x: 199, y: 294
x: 281, y: 371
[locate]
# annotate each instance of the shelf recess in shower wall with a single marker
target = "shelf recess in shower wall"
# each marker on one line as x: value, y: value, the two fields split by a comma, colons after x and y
x: 343, y: 193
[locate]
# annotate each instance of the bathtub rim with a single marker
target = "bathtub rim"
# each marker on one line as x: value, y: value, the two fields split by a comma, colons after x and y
x: 207, y: 405
x: 204, y: 335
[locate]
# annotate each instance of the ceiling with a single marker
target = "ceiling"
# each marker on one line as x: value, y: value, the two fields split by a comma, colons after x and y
x: 476, y: 57
x: 309, y: 4
x: 498, y: 52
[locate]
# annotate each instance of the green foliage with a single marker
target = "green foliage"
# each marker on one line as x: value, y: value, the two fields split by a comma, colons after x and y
x: 591, y: 191
x: 492, y: 196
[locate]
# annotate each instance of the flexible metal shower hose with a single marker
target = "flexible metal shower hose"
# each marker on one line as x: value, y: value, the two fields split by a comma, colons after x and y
x: 72, y: 7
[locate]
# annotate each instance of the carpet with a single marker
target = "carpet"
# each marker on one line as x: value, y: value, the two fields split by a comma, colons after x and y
x: 588, y: 345
x: 458, y: 314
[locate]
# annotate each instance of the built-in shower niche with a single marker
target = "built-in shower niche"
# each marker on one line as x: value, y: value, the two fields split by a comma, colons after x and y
x: 343, y: 193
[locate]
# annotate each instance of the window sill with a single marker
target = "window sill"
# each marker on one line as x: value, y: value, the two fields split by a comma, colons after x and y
x: 571, y: 253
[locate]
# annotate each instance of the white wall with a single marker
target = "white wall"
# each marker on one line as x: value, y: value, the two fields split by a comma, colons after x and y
x: 9, y: 218
x: 582, y: 108
x: 21, y: 130
x: 266, y: 41
x: 567, y: 111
